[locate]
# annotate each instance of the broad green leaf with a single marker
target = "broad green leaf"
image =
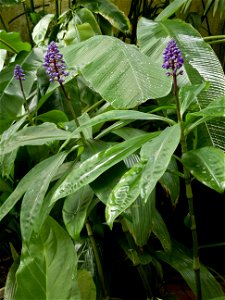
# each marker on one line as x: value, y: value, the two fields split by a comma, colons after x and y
x: 180, y: 259
x: 125, y: 80
x: 11, y: 98
x: 34, y: 196
x: 207, y: 164
x: 48, y: 266
x: 94, y: 166
x: 110, y: 12
x: 139, y: 219
x: 85, y: 31
x: 201, y: 63
x: 41, y: 28
x: 170, y: 10
x: 86, y: 16
x: 34, y: 135
x: 54, y: 116
x: 11, y: 41
x: 188, y: 94
x: 157, y: 153
x: 124, y: 193
x: 213, y: 110
x: 27, y: 183
x: 170, y: 181
x: 75, y: 210
x: 86, y: 285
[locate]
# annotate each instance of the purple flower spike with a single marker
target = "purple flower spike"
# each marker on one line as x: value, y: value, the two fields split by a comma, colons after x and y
x: 54, y: 64
x: 19, y: 73
x: 172, y: 59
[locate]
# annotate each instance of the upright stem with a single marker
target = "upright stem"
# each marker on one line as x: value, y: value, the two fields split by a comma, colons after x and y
x: 26, y: 103
x: 72, y: 110
x: 189, y: 196
x: 97, y: 259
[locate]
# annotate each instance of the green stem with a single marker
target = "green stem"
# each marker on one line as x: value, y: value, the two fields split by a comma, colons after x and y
x: 26, y: 103
x: 28, y: 24
x: 189, y: 196
x: 70, y: 106
x: 97, y: 259
x: 214, y: 37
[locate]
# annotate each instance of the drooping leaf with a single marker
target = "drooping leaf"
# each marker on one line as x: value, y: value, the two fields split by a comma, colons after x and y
x: 34, y: 195
x: 34, y: 135
x: 180, y: 259
x: 110, y: 12
x: 207, y: 164
x: 87, y: 16
x: 11, y: 41
x: 157, y: 153
x: 201, y: 63
x: 94, y: 166
x: 125, y: 80
x: 48, y: 266
x: 75, y: 210
x: 35, y: 175
x: 41, y: 28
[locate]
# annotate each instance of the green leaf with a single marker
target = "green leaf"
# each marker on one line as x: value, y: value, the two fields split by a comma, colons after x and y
x: 139, y: 219
x: 54, y: 116
x: 85, y: 31
x: 86, y: 16
x: 11, y: 41
x: 35, y: 135
x: 41, y: 28
x: 207, y: 164
x: 180, y: 259
x: 94, y: 166
x: 10, y: 285
x: 75, y: 210
x: 28, y: 182
x: 201, y: 63
x: 213, y: 110
x: 33, y: 199
x: 170, y: 181
x: 170, y: 10
x: 86, y: 285
x: 158, y: 153
x: 11, y: 98
x: 48, y: 266
x: 122, y: 79
x: 124, y: 193
x: 188, y: 94
x: 110, y: 12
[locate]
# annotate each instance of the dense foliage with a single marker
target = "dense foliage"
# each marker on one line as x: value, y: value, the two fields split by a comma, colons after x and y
x: 93, y: 128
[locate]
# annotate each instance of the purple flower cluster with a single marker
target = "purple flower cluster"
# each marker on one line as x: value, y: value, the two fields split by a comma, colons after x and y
x: 19, y: 73
x: 54, y: 63
x: 172, y: 59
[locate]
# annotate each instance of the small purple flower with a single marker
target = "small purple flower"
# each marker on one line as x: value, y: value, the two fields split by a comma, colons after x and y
x: 19, y: 73
x: 54, y: 63
x: 172, y: 59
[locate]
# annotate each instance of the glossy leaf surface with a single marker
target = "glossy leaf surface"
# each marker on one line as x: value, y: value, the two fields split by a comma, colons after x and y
x: 48, y: 266
x: 207, y: 164
x: 94, y: 166
x: 41, y: 28
x: 120, y: 73
x: 11, y: 41
x: 75, y: 210
x: 201, y: 63
x: 157, y: 153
